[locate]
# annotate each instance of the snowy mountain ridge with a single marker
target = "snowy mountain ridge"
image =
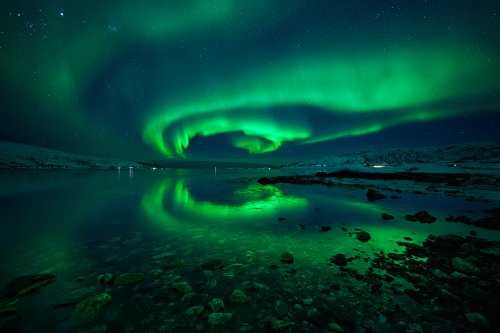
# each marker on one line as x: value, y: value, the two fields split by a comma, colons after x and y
x: 472, y: 152
x: 21, y: 156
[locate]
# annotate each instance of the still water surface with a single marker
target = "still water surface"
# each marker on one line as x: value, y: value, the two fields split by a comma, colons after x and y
x: 85, y: 223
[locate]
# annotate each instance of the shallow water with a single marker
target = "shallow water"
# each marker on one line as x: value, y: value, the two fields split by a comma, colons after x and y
x: 68, y: 222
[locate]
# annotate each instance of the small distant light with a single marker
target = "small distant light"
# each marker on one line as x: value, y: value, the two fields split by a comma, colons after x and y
x: 62, y: 14
x: 454, y: 165
x: 130, y: 167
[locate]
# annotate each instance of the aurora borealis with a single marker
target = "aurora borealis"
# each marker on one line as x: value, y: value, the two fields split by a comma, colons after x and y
x: 254, y: 80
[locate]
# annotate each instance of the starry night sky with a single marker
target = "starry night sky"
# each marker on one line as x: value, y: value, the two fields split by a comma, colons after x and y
x: 259, y: 80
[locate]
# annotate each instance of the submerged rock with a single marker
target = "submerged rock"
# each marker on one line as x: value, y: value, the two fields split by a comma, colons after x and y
x: 9, y: 308
x: 182, y: 287
x: 363, y: 236
x: 424, y: 217
x: 218, y: 319
x: 216, y: 305
x: 27, y: 284
x: 106, y: 278
x: 373, y: 195
x: 387, y: 217
x: 212, y: 265
x: 129, y: 278
x: 464, y: 266
x: 175, y: 263
x: 89, y: 309
x: 339, y: 260
x: 287, y: 258
x: 238, y: 296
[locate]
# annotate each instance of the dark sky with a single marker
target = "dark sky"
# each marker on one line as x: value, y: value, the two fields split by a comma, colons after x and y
x: 258, y: 80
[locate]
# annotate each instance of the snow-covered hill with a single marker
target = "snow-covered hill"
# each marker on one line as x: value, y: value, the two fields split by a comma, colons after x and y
x: 20, y: 156
x: 475, y: 152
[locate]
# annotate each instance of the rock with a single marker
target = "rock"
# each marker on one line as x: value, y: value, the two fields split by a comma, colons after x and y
x: 212, y: 265
x: 238, y: 296
x: 216, y: 305
x: 175, y: 263
x: 373, y: 195
x: 411, y: 218
x: 129, y: 278
x: 301, y: 226
x: 307, y: 301
x: 187, y: 297
x: 163, y: 255
x: 279, y: 325
x: 194, y: 310
x: 281, y: 308
x: 339, y: 260
x: 26, y: 285
x: 441, y: 276
x: 315, y: 317
x: 448, y: 297
x: 281, y: 219
x: 249, y: 256
x: 464, y: 266
x: 9, y: 308
x: 477, y: 319
x: 396, y: 256
x: 218, y: 319
x: 363, y: 236
x: 475, y: 293
x: 267, y: 181
x: 473, y: 233
x: 182, y: 287
x: 325, y: 228
x: 106, y: 278
x: 491, y: 253
x: 387, y: 217
x: 467, y: 248
x: 287, y: 258
x: 424, y: 217
x: 90, y: 308
x: 332, y: 327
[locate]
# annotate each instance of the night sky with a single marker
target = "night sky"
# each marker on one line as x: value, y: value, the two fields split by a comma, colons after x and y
x: 261, y: 80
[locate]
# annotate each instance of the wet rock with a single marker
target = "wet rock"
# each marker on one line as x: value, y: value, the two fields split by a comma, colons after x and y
x: 238, y: 296
x: 387, y: 217
x: 332, y: 327
x: 163, y: 255
x: 212, y: 265
x: 411, y: 218
x: 448, y: 297
x: 90, y: 308
x: 249, y: 256
x: 106, y: 278
x: 9, y: 308
x: 424, y: 217
x: 216, y: 305
x: 267, y: 181
x: 363, y: 236
x: 219, y: 319
x: 339, y: 260
x: 182, y: 287
x: 325, y: 228
x: 281, y: 308
x: 315, y: 317
x: 27, y: 285
x: 475, y: 293
x: 175, y: 263
x: 491, y: 253
x: 441, y: 276
x: 477, y: 319
x: 373, y: 195
x: 129, y: 278
x: 464, y: 266
x: 194, y: 310
x: 287, y: 258
x: 279, y: 325
x: 467, y: 248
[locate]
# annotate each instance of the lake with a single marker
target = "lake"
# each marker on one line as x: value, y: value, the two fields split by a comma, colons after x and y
x: 79, y: 224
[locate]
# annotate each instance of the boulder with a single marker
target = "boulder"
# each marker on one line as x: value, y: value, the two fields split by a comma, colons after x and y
x: 129, y: 278
x: 387, y: 217
x: 464, y: 266
x: 216, y: 305
x: 218, y: 319
x: 373, y: 195
x: 339, y: 260
x: 363, y: 236
x: 27, y: 285
x: 238, y: 296
x: 182, y: 287
x: 287, y: 258
x: 90, y: 308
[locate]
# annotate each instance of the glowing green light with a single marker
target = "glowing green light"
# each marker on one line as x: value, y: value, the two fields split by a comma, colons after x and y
x: 411, y: 85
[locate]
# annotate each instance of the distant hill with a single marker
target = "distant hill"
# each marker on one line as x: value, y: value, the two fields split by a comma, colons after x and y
x: 21, y: 156
x: 474, y: 152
